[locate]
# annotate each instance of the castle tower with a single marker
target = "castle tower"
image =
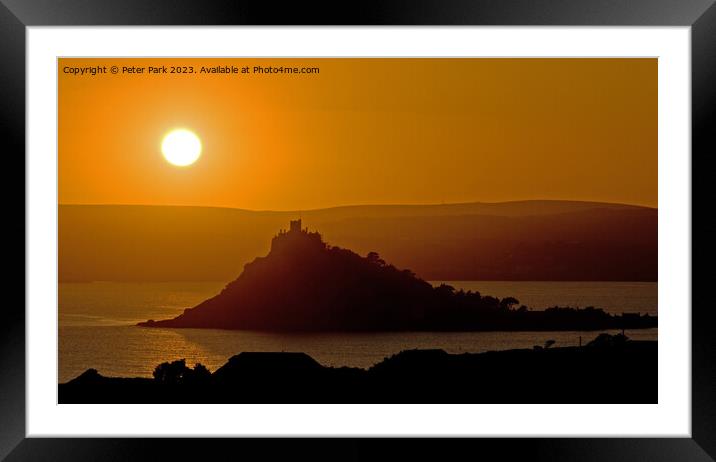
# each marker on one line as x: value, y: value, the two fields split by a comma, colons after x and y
x: 295, y: 226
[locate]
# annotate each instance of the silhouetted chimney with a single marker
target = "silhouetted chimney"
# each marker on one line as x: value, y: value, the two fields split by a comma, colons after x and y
x: 295, y: 226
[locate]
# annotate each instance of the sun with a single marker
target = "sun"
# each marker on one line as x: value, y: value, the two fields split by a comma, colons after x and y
x: 181, y: 147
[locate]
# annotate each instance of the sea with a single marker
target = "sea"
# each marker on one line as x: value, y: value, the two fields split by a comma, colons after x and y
x: 97, y: 326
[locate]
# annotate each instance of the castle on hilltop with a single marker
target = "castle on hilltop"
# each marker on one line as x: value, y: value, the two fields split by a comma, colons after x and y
x: 296, y: 236
x: 295, y: 226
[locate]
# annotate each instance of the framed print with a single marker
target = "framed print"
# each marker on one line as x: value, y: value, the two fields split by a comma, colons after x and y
x: 436, y: 220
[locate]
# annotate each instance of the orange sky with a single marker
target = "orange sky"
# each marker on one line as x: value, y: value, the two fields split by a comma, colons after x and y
x: 363, y: 131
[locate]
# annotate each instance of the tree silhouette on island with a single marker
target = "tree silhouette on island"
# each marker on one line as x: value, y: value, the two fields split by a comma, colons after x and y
x: 304, y: 284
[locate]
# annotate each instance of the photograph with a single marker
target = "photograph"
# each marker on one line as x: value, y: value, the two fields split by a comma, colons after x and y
x: 357, y: 230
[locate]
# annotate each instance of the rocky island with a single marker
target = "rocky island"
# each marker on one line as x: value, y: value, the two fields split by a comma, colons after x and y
x: 304, y: 284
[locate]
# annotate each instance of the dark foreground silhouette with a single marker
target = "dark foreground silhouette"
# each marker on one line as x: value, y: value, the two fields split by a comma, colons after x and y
x: 303, y: 284
x: 610, y: 369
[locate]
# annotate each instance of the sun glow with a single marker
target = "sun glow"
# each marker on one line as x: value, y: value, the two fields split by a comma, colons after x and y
x: 181, y: 147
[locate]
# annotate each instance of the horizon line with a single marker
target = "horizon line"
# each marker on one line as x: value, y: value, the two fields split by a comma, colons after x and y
x: 315, y: 209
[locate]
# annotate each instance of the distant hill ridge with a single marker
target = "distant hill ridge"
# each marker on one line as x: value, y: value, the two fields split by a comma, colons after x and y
x: 508, y: 208
x: 528, y: 240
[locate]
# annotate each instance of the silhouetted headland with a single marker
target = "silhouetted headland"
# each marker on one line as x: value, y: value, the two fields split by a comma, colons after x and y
x: 610, y: 369
x: 303, y: 284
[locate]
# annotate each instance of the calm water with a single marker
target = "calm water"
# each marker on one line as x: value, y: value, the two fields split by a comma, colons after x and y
x: 96, y: 326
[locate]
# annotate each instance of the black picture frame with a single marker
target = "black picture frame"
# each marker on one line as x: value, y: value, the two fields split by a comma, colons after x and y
x: 700, y: 15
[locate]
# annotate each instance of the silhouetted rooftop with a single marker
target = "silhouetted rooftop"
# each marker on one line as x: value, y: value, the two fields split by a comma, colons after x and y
x: 276, y: 362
